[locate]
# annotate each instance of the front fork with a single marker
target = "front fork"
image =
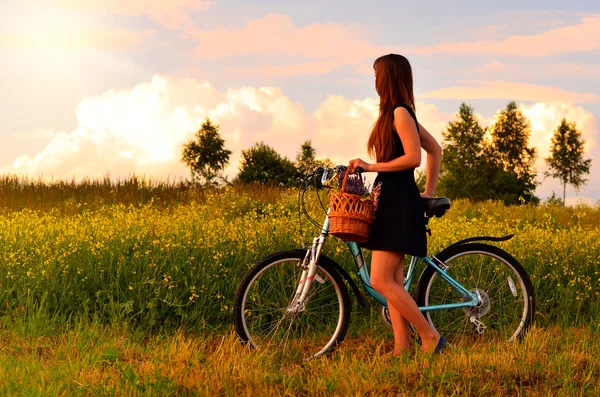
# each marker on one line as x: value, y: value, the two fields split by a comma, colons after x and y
x: 309, y: 270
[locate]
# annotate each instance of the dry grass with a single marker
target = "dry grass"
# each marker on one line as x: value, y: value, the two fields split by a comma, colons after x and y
x: 96, y: 360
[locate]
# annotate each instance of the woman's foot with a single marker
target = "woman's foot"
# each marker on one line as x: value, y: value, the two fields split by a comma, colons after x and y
x: 400, y: 353
x: 431, y: 343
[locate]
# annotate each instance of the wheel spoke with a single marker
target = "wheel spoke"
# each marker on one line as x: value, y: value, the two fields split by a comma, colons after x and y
x: 271, y: 319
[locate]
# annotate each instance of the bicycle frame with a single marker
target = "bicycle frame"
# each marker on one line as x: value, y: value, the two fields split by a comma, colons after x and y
x: 310, y: 268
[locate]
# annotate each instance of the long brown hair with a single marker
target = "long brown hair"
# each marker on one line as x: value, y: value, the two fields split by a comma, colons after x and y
x: 394, y: 84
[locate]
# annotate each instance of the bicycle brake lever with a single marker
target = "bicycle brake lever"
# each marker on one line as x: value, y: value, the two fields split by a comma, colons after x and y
x: 324, y: 176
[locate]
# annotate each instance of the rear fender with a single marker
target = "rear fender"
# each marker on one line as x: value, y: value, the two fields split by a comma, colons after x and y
x: 479, y: 238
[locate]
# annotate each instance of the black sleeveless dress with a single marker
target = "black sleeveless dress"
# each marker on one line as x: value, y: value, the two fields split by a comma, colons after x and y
x: 399, y: 224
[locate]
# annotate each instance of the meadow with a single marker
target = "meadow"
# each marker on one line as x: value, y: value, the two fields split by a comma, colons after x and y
x: 110, y: 284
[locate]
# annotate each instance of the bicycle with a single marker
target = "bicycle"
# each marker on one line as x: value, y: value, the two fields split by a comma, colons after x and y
x: 300, y: 297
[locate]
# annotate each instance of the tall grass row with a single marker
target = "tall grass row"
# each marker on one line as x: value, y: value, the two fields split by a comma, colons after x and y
x: 177, y: 265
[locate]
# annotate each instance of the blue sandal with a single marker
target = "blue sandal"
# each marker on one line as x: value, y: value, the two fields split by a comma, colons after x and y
x: 441, y: 345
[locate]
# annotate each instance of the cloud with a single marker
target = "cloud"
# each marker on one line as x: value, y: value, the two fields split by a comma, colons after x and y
x: 491, y: 31
x: 70, y: 38
x: 524, y: 71
x: 169, y: 13
x: 45, y: 27
x: 493, y: 66
x: 581, y: 37
x: 317, y: 67
x: 315, y: 49
x: 141, y: 130
x: 365, y: 68
x: 432, y: 118
x: 343, y: 127
x: 545, y: 117
x: 479, y: 89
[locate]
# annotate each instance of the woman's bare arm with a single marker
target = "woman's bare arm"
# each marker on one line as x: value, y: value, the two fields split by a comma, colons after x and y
x: 434, y: 160
x: 407, y: 130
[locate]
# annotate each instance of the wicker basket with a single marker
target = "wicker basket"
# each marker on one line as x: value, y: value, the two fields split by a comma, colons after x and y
x: 349, y: 215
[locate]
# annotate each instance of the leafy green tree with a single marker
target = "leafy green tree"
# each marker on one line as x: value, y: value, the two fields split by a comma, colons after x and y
x: 261, y: 163
x: 566, y: 157
x: 306, y: 161
x: 510, y: 166
x: 205, y: 155
x: 463, y: 171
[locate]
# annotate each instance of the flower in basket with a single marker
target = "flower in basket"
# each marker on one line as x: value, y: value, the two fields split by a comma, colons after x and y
x: 354, y: 185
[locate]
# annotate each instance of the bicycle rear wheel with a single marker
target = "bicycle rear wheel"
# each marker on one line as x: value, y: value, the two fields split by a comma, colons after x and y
x: 507, y: 298
x: 262, y: 307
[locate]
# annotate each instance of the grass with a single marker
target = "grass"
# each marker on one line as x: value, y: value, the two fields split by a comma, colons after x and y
x: 73, y: 197
x: 126, y: 288
x: 95, y: 359
x: 178, y: 265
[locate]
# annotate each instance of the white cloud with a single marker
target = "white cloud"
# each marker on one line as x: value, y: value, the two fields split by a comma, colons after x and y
x: 546, y: 116
x: 141, y: 130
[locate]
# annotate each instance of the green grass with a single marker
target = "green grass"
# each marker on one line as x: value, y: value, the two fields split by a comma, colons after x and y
x: 178, y: 265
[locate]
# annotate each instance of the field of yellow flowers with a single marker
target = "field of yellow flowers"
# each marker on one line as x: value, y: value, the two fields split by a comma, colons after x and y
x: 176, y: 263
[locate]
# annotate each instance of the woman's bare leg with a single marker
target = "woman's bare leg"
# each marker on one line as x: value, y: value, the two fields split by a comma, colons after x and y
x: 399, y: 323
x: 384, y: 265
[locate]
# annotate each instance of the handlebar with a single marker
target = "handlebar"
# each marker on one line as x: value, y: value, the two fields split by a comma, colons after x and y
x: 324, y: 172
x: 318, y: 179
x: 338, y: 168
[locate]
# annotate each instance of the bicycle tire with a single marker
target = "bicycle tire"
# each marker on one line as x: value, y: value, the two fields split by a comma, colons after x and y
x: 491, y: 313
x: 307, y: 337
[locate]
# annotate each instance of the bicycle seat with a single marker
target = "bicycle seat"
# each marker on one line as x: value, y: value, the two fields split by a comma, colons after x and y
x: 436, y: 206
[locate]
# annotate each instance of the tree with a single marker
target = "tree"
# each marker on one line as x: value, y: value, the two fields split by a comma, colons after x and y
x: 510, y: 160
x: 205, y: 155
x: 463, y: 168
x: 306, y: 161
x: 554, y: 201
x: 261, y: 163
x: 421, y: 181
x: 566, y: 157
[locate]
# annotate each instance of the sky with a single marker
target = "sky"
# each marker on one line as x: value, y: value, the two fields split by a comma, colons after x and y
x: 91, y: 88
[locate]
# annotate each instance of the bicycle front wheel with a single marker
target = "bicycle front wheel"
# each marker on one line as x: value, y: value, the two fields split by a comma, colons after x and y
x: 507, y: 301
x: 266, y: 318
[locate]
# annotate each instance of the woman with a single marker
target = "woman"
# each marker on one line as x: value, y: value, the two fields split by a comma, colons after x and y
x: 398, y: 228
